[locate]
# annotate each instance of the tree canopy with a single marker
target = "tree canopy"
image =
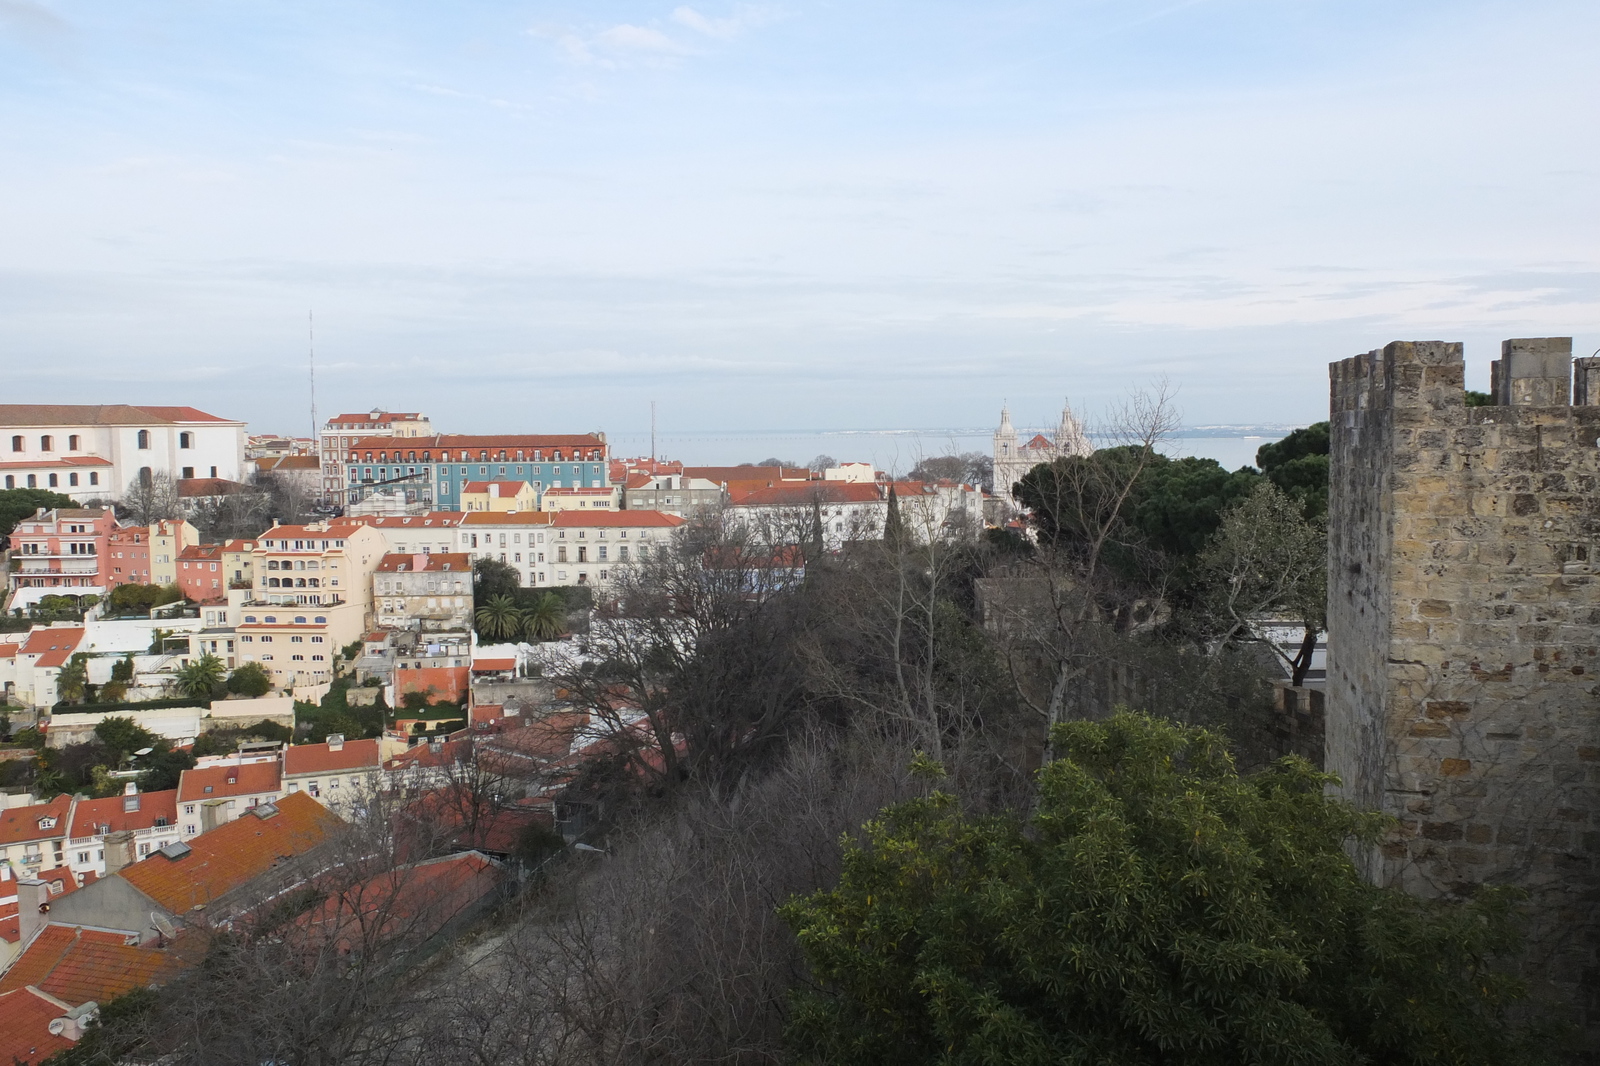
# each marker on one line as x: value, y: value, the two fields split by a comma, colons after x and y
x: 17, y: 504
x: 1298, y: 466
x: 1155, y: 908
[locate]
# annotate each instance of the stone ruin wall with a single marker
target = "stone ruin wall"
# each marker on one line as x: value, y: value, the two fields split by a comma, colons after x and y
x: 1463, y: 691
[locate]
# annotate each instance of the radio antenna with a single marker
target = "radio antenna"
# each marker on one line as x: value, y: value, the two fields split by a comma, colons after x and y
x: 311, y: 354
x: 652, y: 436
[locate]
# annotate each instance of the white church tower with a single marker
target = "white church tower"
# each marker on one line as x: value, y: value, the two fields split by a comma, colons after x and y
x: 1013, y: 461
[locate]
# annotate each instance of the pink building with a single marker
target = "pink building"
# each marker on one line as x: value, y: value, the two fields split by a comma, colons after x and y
x: 128, y: 551
x: 64, y: 548
x: 201, y: 576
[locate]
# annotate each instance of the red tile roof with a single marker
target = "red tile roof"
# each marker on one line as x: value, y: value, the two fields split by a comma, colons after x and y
x: 321, y: 759
x: 619, y: 519
x: 92, y: 817
x: 25, y: 1037
x: 490, y: 665
x: 53, y: 645
x: 796, y: 495
x: 458, y: 443
x: 434, y: 519
x: 381, y: 416
x: 200, y: 551
x: 218, y: 782
x: 395, y: 562
x: 77, y: 965
x: 18, y: 825
x: 288, y: 462
x: 411, y: 902
x: 231, y: 855
x: 483, y: 486
x: 88, y: 414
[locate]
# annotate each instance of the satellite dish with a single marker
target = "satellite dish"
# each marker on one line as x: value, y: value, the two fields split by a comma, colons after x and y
x: 163, y: 924
x: 58, y: 1026
x: 144, y: 751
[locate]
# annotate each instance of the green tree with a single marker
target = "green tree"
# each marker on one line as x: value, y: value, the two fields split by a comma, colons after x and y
x: 1298, y: 465
x: 894, y: 528
x: 498, y: 618
x: 1156, y: 908
x: 161, y: 769
x: 545, y: 619
x: 73, y: 683
x: 122, y: 736
x: 201, y: 678
x: 250, y: 679
x: 122, y: 669
x: 17, y: 504
x: 491, y: 578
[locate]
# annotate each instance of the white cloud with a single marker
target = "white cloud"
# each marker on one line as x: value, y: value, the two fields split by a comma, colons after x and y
x: 627, y: 37
x: 744, y: 17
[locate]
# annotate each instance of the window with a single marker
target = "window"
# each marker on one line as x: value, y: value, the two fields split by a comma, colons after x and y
x: 47, y: 444
x: 72, y: 442
x: 143, y: 440
x: 72, y: 479
x: 54, y: 481
x: 11, y: 481
x: 602, y: 553
x: 94, y: 477
x: 188, y: 808
x: 83, y: 857
x: 16, y: 443
x: 186, y: 440
x: 33, y: 481
x: 187, y: 472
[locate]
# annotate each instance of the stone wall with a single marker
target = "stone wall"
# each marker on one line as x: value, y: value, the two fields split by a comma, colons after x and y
x: 1464, y: 634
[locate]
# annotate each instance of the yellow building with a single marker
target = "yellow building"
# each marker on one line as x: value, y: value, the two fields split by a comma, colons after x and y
x: 499, y: 496
x: 312, y: 595
x: 236, y: 562
x: 606, y: 498
x: 168, y: 538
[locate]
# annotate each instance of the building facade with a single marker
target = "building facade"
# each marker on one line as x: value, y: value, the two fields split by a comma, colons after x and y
x: 68, y: 548
x: 1013, y: 460
x: 92, y: 451
x: 671, y: 493
x: 429, y: 593
x: 340, y: 431
x: 435, y: 471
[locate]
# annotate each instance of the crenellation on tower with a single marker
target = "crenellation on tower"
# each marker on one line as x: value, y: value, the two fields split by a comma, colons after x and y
x: 1463, y: 691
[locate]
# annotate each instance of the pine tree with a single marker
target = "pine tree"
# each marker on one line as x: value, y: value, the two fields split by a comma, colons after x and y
x: 894, y: 530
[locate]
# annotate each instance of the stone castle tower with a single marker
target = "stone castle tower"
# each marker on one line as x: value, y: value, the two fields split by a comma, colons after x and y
x: 1012, y: 461
x: 1463, y: 691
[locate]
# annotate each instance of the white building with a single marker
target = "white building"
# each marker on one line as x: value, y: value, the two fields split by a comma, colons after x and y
x: 1012, y: 460
x: 92, y: 451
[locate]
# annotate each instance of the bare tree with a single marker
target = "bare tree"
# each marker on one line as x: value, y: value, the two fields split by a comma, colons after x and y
x: 150, y: 497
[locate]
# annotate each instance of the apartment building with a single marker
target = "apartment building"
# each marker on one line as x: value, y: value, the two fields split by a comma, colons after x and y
x: 67, y: 548
x: 594, y: 548
x: 105, y: 835
x: 676, y: 494
x: 92, y: 451
x: 436, y: 470
x: 312, y: 595
x: 430, y: 593
x: 509, y: 538
x: 168, y: 538
x: 503, y: 496
x: 341, y: 431
x: 128, y: 556
x: 201, y: 574
x: 33, y: 838
x: 594, y: 498
x: 434, y: 531
x: 209, y: 796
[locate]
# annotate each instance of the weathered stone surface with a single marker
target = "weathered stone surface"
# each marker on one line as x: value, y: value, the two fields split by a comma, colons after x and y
x: 1464, y: 634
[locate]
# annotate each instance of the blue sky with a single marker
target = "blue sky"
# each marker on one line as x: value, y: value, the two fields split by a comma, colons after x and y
x: 541, y: 216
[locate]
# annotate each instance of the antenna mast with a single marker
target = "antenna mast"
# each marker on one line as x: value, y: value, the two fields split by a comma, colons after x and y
x: 311, y: 353
x: 652, y: 436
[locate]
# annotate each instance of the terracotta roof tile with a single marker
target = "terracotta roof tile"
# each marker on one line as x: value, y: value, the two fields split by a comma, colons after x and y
x: 25, y: 1037
x: 321, y: 759
x: 616, y: 519
x: 18, y: 825
x: 92, y: 817
x: 219, y: 782
x: 54, y: 645
x: 88, y: 414
x: 231, y: 855
x: 438, y: 562
x: 77, y: 965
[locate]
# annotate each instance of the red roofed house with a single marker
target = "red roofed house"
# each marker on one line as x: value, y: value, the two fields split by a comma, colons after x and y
x: 26, y: 1015
x: 108, y: 834
x: 209, y: 796
x: 128, y: 556
x: 588, y: 548
x: 676, y: 494
x: 112, y: 444
x: 201, y: 573
x: 32, y: 839
x: 39, y: 661
x: 430, y: 593
x: 499, y: 496
x: 787, y: 512
x: 65, y: 549
x: 340, y: 774
x: 341, y: 431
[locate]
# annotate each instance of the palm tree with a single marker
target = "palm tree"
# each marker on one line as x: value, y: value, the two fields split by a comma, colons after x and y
x: 499, y: 618
x: 201, y: 677
x: 545, y: 619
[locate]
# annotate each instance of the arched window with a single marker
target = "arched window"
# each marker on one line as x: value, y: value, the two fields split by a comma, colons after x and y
x: 55, y: 480
x: 94, y: 477
x: 11, y: 481
x: 33, y: 481
x: 186, y: 440
x: 144, y: 438
x: 72, y: 442
x: 16, y: 443
x: 47, y: 443
x: 72, y: 479
x: 146, y: 478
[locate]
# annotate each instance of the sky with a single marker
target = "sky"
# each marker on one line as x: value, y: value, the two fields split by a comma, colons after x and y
x: 540, y: 217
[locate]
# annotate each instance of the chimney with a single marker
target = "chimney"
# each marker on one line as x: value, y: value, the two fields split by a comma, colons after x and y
x: 335, y: 741
x: 130, y: 797
x: 419, y: 561
x: 119, y: 850
x: 212, y: 814
x: 494, y: 489
x: 33, y: 908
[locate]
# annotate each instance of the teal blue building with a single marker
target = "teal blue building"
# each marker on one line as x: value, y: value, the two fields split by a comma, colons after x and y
x: 434, y: 470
